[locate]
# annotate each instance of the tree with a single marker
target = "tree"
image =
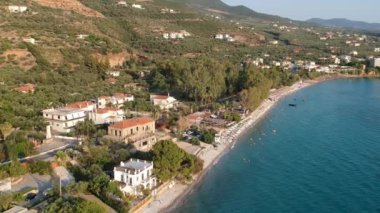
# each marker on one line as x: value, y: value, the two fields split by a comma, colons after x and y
x: 61, y: 155
x: 15, y: 169
x: 85, y: 128
x: 40, y: 167
x: 208, y: 137
x: 6, y: 129
x: 170, y: 161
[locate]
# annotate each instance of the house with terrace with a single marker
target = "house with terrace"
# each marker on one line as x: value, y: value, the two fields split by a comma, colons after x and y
x: 140, y: 132
x: 134, y: 176
x: 63, y: 120
x: 164, y: 102
x: 117, y: 100
x: 107, y: 115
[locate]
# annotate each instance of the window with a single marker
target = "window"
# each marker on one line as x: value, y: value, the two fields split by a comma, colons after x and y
x: 119, y: 133
x: 59, y: 117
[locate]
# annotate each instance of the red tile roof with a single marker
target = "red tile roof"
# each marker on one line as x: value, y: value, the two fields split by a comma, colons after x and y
x: 121, y: 95
x: 198, y: 115
x: 105, y: 110
x: 132, y: 122
x: 111, y: 80
x: 79, y: 105
x: 161, y: 97
x: 26, y: 88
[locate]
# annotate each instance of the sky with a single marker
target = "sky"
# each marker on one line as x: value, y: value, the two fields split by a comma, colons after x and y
x: 358, y: 10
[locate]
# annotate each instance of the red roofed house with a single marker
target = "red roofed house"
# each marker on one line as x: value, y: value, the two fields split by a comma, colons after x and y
x: 27, y: 88
x: 83, y: 105
x: 196, y: 118
x: 136, y: 131
x: 116, y: 100
x: 107, y: 115
x: 111, y: 80
x: 164, y: 102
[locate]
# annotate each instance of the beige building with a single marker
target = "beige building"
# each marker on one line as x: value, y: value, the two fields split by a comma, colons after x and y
x: 137, y: 131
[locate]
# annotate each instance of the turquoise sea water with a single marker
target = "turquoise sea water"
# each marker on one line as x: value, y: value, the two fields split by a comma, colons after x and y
x: 324, y: 156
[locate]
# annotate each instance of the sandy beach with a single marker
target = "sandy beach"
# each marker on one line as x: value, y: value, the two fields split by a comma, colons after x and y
x: 175, y: 195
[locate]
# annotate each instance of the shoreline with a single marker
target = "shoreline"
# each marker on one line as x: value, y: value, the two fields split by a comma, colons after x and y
x: 173, y: 197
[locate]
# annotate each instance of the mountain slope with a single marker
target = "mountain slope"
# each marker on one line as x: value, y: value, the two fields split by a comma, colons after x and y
x: 345, y: 23
x: 218, y: 5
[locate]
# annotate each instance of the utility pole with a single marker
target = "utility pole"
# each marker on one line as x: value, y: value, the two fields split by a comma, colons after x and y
x: 60, y: 187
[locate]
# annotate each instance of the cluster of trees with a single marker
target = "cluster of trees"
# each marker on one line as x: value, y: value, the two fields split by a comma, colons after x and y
x: 15, y: 145
x: 172, y: 162
x: 74, y: 204
x: 205, y: 80
x: 16, y: 169
x: 9, y: 199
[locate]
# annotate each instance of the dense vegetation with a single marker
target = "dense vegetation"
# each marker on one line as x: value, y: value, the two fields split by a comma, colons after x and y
x: 72, y: 204
x: 172, y: 162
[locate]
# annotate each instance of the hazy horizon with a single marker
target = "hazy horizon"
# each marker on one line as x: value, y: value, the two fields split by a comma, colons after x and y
x: 365, y: 10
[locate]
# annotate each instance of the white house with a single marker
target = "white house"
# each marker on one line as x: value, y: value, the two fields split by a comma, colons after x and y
x: 17, y: 9
x: 374, y: 62
x: 164, y: 102
x: 87, y: 106
x: 134, y: 176
x: 116, y: 100
x: 82, y: 36
x: 63, y: 120
x: 354, y: 53
x: 113, y: 73
x: 29, y: 40
x: 106, y: 115
x: 346, y: 58
x: 167, y: 10
x: 122, y: 3
x: 137, y: 6
x: 225, y: 37
x: 377, y: 49
x: 275, y: 42
x: 176, y: 35
x: 336, y: 61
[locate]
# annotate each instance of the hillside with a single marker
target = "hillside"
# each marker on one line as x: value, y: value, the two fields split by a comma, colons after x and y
x: 345, y: 23
x: 223, y: 8
x: 66, y: 48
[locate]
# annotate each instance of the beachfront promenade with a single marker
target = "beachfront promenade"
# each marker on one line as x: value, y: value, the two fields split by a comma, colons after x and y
x: 172, y: 196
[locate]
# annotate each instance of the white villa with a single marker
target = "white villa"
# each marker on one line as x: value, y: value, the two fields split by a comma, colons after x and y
x: 134, y: 176
x: 122, y: 3
x: 82, y: 36
x: 137, y: 6
x: 63, y: 120
x: 17, y: 9
x: 374, y: 62
x: 113, y: 73
x: 106, y: 115
x: 176, y: 35
x: 29, y: 40
x: 225, y: 37
x: 116, y: 100
x: 164, y: 102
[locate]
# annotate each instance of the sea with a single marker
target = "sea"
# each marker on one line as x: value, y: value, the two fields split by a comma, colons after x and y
x: 323, y: 155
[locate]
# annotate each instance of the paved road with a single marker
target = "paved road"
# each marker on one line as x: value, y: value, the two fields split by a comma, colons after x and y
x: 48, y: 150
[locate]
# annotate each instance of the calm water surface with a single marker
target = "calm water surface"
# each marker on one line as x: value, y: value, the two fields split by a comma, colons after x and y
x: 321, y: 156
